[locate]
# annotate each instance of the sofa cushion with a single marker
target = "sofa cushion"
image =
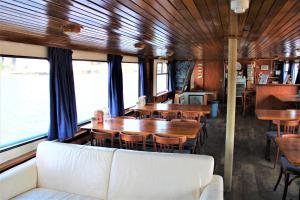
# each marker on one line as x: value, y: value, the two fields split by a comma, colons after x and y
x: 77, y: 169
x: 160, y: 176
x: 48, y: 194
x: 18, y: 179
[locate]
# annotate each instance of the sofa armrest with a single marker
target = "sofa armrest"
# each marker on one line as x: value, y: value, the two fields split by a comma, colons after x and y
x: 18, y: 179
x: 214, y: 190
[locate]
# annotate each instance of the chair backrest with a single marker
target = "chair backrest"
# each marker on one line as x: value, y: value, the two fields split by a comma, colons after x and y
x: 168, y: 115
x: 289, y: 126
x: 190, y: 115
x: 143, y: 113
x: 100, y: 138
x: 133, y: 141
x: 165, y: 143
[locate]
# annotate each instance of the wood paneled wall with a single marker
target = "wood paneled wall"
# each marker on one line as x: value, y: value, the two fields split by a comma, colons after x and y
x: 214, y: 77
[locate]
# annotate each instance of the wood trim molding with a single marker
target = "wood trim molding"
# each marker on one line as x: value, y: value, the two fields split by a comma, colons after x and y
x: 80, y: 137
x: 16, y: 161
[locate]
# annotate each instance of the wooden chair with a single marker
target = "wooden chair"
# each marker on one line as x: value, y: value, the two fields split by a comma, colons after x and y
x: 289, y: 127
x: 190, y: 115
x: 168, y: 115
x: 155, y: 114
x: 288, y: 169
x: 248, y: 100
x: 133, y: 141
x: 163, y: 143
x: 141, y: 114
x: 101, y: 138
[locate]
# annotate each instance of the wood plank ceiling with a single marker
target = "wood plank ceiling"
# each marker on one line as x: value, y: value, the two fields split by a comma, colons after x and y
x: 190, y: 28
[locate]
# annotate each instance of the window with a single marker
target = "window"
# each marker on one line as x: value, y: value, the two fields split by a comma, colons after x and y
x: 285, y: 74
x: 295, y: 72
x: 24, y: 99
x: 91, y: 88
x: 161, y: 77
x: 130, y: 84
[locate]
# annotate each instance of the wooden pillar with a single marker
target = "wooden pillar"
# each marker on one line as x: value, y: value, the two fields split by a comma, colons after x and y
x: 231, y: 101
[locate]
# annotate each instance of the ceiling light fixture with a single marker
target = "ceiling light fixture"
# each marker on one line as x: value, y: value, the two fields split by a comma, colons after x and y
x: 140, y: 45
x: 71, y: 29
x: 239, y: 6
x: 169, y: 53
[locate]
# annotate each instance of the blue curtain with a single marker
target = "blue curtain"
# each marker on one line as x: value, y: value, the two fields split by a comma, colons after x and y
x: 280, y: 65
x: 143, y: 86
x: 115, y: 85
x: 171, y: 76
x: 63, y: 114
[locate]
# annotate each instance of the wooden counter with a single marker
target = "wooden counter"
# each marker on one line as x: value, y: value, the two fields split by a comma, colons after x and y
x: 265, y: 95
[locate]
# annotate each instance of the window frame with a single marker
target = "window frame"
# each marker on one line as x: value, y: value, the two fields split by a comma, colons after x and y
x: 41, y: 136
x: 162, y: 73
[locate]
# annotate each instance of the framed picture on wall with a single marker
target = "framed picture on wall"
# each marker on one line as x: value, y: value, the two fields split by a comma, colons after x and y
x: 264, y: 67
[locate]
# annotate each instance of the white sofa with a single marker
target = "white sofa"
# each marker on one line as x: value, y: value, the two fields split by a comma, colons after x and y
x: 68, y: 171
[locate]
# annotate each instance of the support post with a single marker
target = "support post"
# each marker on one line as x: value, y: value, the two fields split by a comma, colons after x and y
x: 231, y: 101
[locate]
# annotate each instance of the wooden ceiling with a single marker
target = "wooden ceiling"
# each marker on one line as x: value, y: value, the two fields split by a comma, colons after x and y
x: 190, y: 28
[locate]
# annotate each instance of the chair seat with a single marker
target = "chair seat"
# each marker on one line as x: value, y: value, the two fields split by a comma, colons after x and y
x: 272, y: 134
x: 190, y: 145
x: 288, y: 166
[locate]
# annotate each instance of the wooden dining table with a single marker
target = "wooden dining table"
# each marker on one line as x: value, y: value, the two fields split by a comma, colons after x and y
x: 200, y: 109
x: 290, y: 148
x: 147, y: 127
x: 283, y: 115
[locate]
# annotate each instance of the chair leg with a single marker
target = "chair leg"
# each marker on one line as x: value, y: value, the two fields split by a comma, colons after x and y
x: 276, y: 157
x: 286, y: 185
x: 279, y: 178
x: 205, y: 131
x: 201, y: 138
x: 197, y: 147
x: 267, y: 153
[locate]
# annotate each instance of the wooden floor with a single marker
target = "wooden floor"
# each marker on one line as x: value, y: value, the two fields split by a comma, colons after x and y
x: 253, y: 176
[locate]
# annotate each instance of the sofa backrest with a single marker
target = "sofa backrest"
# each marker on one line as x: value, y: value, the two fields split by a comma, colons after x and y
x: 77, y: 169
x: 160, y: 176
